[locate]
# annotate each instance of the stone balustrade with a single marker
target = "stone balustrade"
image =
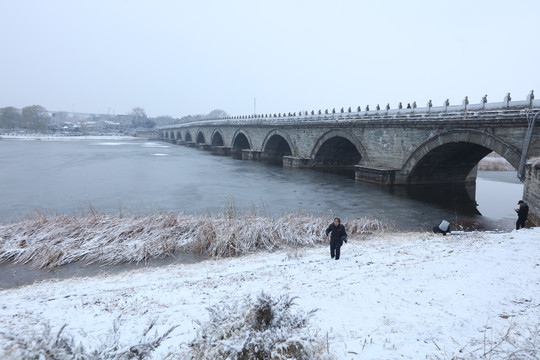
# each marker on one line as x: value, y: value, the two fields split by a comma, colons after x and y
x: 411, y: 111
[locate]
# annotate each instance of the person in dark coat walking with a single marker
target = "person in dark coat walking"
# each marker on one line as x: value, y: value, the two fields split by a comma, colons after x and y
x: 522, y: 213
x: 337, y: 234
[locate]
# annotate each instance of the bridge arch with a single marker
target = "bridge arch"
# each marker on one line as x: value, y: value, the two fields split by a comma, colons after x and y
x: 451, y: 156
x: 188, y: 137
x: 338, y: 148
x: 178, y: 135
x: 217, y: 138
x: 200, y: 137
x: 240, y: 141
x: 276, y: 145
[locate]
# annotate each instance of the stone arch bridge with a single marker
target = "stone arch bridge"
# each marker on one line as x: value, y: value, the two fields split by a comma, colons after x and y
x: 411, y: 146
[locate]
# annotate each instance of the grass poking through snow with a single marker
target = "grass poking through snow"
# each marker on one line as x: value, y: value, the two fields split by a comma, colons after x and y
x: 47, y: 242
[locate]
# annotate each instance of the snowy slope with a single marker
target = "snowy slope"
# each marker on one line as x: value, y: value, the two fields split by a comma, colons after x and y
x: 390, y: 296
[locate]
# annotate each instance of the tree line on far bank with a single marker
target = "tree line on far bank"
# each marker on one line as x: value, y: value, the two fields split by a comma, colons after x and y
x: 37, y: 119
x: 33, y: 118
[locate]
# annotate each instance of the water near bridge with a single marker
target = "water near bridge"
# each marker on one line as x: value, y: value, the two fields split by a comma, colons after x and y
x: 131, y: 176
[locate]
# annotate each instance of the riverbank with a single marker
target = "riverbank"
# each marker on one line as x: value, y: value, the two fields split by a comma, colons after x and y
x: 494, y: 162
x: 47, y: 242
x: 391, y: 295
x: 55, y: 137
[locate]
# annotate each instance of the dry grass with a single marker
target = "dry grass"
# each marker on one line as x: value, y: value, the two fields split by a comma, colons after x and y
x: 510, y: 344
x: 535, y: 161
x: 48, y: 242
x: 263, y: 328
x: 494, y: 162
x: 45, y: 344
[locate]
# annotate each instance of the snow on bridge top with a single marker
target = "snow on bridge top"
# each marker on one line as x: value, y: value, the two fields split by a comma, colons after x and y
x: 482, y: 110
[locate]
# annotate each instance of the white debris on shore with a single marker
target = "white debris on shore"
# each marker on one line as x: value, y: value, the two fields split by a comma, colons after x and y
x: 391, y: 295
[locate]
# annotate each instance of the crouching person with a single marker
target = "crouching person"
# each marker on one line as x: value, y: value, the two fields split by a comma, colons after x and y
x: 337, y: 234
x: 443, y: 228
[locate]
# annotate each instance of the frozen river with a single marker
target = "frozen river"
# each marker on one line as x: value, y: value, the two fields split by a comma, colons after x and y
x: 135, y: 176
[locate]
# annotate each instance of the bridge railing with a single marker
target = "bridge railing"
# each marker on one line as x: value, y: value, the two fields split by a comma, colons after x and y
x: 447, y: 112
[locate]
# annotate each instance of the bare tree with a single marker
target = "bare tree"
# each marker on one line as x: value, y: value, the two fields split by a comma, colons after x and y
x: 10, y: 118
x: 35, y: 118
x: 217, y: 113
x: 139, y: 118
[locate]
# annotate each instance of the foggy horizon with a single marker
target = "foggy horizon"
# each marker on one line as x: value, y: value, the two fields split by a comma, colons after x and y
x: 178, y: 59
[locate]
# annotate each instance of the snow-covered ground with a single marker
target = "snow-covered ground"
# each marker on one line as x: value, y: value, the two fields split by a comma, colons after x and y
x: 390, y: 296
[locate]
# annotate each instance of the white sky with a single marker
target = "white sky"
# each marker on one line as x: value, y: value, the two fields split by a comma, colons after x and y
x: 190, y: 57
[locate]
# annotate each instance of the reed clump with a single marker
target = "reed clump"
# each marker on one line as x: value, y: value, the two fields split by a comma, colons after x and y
x: 46, y: 344
x: 268, y: 327
x: 46, y: 242
x: 494, y: 162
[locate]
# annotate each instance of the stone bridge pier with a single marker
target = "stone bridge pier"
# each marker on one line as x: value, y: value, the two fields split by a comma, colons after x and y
x: 436, y: 147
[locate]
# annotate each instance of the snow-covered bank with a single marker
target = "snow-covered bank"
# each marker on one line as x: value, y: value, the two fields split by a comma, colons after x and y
x: 390, y: 296
x: 48, y: 242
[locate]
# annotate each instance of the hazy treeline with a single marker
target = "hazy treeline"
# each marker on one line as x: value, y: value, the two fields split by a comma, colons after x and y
x: 34, y: 118
x: 37, y: 119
